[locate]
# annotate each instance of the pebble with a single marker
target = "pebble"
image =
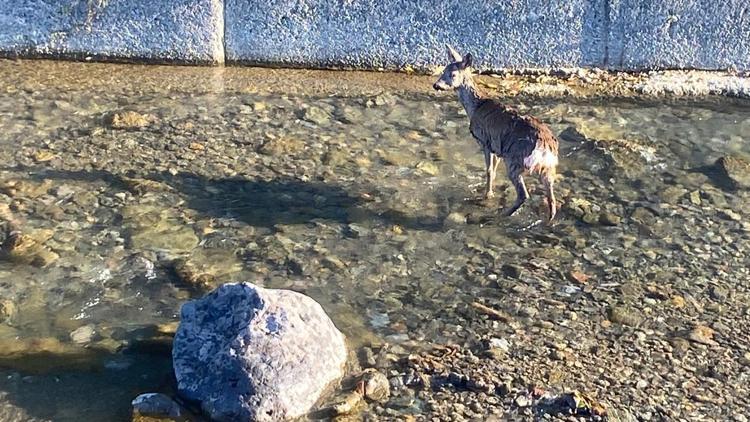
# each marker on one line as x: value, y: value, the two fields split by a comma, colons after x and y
x: 428, y: 168
x: 609, y: 219
x: 703, y: 335
x: 8, y: 310
x: 63, y: 191
x: 377, y: 386
x: 316, y: 115
x: 719, y: 294
x: 522, y: 401
x: 736, y: 169
x: 156, y: 405
x: 455, y: 218
x: 83, y: 335
x: 512, y: 270
x: 500, y: 343
x: 695, y: 197
x: 368, y: 357
x: 625, y: 315
x: 129, y: 120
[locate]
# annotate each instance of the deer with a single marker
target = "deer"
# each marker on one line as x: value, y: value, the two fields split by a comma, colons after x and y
x: 523, y: 143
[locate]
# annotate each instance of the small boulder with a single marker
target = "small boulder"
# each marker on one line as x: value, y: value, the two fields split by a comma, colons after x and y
x: 249, y: 353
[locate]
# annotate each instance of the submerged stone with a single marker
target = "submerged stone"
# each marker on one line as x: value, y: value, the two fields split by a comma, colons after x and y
x: 157, y: 229
x: 25, y: 249
x: 129, y: 120
x: 609, y: 219
x: 83, y: 335
x: 316, y: 115
x: 376, y: 385
x: 625, y: 315
x: 156, y: 405
x: 24, y: 188
x: 455, y: 219
x: 249, y: 353
x: 8, y: 310
x: 203, y: 269
x: 428, y: 168
x: 280, y: 146
x: 736, y: 169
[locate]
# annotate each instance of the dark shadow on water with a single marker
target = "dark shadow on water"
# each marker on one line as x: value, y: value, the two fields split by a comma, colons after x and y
x: 259, y: 202
x: 717, y: 176
x: 78, y: 390
x: 265, y: 202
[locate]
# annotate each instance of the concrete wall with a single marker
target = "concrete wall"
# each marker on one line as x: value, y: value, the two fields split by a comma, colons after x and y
x: 707, y: 34
x: 392, y: 33
x: 616, y: 34
x: 160, y: 30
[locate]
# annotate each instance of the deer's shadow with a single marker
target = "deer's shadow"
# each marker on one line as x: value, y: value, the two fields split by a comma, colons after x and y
x: 260, y: 202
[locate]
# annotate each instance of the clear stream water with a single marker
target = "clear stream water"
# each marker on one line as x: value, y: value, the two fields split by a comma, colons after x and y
x: 360, y: 190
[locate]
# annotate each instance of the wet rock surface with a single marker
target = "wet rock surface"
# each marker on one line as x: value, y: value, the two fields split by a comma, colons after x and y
x: 156, y: 405
x: 636, y: 297
x: 248, y: 353
x: 736, y: 169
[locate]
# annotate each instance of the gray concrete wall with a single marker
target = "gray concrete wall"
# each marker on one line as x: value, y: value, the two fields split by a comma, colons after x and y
x: 393, y: 33
x: 706, y: 34
x: 159, y: 30
x: 616, y: 34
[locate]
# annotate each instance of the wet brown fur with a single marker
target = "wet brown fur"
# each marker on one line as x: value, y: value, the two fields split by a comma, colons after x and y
x: 504, y: 133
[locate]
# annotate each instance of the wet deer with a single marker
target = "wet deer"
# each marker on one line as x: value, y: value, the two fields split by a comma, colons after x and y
x: 524, y: 143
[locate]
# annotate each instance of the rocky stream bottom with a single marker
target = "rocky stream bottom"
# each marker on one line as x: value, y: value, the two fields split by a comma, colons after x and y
x: 120, y: 203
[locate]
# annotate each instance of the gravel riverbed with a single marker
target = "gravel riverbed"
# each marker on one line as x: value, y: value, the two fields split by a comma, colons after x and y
x: 126, y: 190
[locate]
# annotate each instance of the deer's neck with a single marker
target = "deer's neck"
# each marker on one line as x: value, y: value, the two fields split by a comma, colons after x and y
x: 469, y: 96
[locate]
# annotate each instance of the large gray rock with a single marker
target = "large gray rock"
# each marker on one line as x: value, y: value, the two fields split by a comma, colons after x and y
x: 249, y: 353
x: 180, y: 30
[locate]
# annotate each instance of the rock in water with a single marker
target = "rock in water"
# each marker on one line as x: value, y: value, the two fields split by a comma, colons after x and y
x: 156, y: 405
x: 129, y: 120
x: 316, y: 115
x: 735, y: 169
x: 248, y: 353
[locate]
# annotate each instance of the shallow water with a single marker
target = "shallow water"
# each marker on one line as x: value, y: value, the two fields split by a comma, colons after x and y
x: 362, y: 195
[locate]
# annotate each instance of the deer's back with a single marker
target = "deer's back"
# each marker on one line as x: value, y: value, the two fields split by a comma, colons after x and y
x: 508, y: 133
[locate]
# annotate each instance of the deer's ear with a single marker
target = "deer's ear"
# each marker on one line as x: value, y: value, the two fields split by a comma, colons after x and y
x: 453, y: 54
x: 467, y: 61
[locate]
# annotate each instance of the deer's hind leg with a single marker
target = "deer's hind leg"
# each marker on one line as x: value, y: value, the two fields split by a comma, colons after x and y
x: 515, y: 174
x: 490, y: 164
x: 547, y: 178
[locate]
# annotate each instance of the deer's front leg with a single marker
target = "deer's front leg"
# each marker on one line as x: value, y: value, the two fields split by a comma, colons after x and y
x: 490, y: 164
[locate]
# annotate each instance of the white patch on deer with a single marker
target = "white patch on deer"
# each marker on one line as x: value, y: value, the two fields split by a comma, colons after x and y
x: 540, y: 158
